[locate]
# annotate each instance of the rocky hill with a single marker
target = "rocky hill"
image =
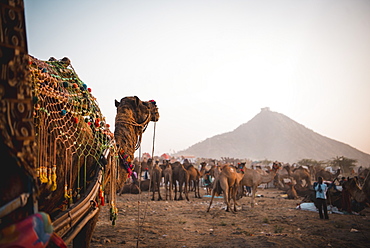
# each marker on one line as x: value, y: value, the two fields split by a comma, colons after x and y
x: 274, y: 136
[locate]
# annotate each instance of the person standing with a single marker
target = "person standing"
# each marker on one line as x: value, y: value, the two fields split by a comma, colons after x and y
x: 321, y: 188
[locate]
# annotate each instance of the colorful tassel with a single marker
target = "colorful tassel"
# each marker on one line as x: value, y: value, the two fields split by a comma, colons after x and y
x: 101, y: 196
x: 54, y: 178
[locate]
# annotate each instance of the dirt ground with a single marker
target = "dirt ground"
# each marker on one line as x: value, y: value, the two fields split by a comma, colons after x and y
x: 273, y: 222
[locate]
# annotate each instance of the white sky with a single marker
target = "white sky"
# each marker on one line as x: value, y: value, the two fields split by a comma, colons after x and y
x: 212, y: 65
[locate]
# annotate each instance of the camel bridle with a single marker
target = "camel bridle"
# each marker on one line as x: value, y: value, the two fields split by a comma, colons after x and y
x: 121, y: 118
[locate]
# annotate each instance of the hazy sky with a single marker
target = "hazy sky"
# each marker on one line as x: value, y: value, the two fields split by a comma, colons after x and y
x: 212, y: 65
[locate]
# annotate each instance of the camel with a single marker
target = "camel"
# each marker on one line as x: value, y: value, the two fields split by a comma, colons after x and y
x: 167, y: 174
x: 253, y: 179
x: 203, y: 169
x: 357, y: 192
x: 180, y: 176
x: 72, y: 147
x: 363, y: 174
x: 227, y: 182
x: 132, y: 118
x: 282, y: 175
x: 291, y: 192
x: 156, y: 178
x: 326, y: 175
x: 303, y: 191
x: 299, y: 174
x: 194, y: 178
x: 135, y: 187
x: 130, y: 188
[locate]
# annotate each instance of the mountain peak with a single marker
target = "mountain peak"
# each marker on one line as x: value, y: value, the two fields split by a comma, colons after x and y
x: 265, y: 109
x: 274, y: 136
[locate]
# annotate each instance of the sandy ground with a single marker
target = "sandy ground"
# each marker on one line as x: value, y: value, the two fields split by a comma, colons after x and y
x: 273, y: 222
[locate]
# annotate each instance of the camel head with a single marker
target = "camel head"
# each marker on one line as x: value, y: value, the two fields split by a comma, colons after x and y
x: 276, y: 166
x: 134, y: 109
x: 152, y: 106
x: 133, y: 116
x: 203, y: 166
x: 241, y: 165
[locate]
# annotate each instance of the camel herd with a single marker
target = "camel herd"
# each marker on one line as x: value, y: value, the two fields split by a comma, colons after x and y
x: 231, y: 181
x: 227, y: 179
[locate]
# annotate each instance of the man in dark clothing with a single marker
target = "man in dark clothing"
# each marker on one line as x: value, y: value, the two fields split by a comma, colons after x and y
x: 321, y: 188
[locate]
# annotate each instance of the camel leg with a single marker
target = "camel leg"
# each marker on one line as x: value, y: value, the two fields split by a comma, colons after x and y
x: 170, y: 191
x: 180, y: 191
x: 234, y: 191
x: 159, y: 191
x: 186, y: 192
x: 153, y: 191
x: 166, y: 190
x: 174, y: 184
x: 226, y: 190
x: 254, y: 189
x: 197, y: 195
x: 210, y: 203
x: 196, y: 189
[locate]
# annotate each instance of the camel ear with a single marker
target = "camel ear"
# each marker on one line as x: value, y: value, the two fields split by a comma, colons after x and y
x: 137, y: 101
x: 116, y: 103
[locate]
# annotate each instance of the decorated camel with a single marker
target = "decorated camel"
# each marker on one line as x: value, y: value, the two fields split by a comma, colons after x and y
x: 253, y: 178
x: 72, y: 149
x: 226, y: 181
x: 132, y: 119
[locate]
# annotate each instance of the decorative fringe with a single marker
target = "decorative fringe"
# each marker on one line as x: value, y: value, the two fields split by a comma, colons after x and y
x: 54, y: 178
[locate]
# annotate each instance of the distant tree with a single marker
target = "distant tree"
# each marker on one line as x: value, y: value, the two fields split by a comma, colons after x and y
x: 345, y: 164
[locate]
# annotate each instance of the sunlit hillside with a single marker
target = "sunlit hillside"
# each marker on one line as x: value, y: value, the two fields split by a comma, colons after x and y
x: 274, y: 136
